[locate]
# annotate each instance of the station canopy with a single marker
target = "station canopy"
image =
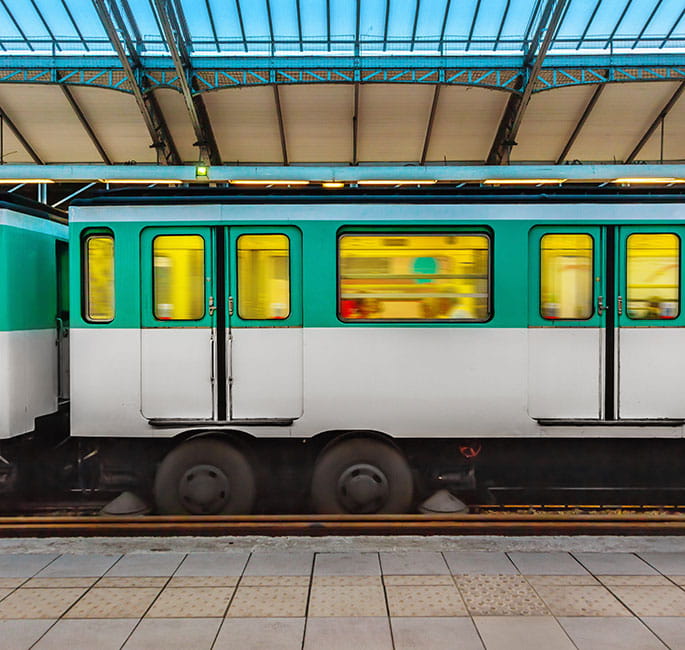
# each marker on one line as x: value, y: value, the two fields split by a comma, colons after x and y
x: 342, y: 82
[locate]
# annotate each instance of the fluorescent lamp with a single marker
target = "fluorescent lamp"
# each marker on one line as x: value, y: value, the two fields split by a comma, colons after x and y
x: 14, y: 181
x: 379, y: 182
x: 648, y: 181
x: 524, y: 181
x: 332, y: 184
x: 256, y: 182
x: 141, y: 181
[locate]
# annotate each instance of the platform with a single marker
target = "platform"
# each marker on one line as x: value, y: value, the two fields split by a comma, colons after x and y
x: 347, y: 593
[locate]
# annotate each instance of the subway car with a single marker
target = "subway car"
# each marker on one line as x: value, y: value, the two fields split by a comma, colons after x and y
x: 366, y: 349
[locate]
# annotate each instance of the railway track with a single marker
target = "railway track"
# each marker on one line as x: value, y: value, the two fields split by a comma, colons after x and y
x: 622, y: 523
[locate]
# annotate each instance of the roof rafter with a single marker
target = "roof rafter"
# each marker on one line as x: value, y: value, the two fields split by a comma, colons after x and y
x: 210, y: 14
x: 75, y: 25
x: 387, y: 23
x: 474, y: 20
x: 416, y: 23
x: 355, y: 126
x: 197, y: 112
x: 281, y: 128
x: 242, y: 24
x: 581, y: 123
x: 45, y: 24
x: 505, y: 13
x: 618, y: 23
x: 509, y: 125
x: 429, y: 126
x: 659, y: 119
x: 17, y: 26
x: 647, y: 23
x: 441, y: 44
x: 18, y: 135
x: 588, y: 24
x: 670, y: 31
x: 162, y: 142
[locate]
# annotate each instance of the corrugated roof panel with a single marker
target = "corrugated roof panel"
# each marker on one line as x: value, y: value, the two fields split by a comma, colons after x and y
x: 465, y: 123
x: 245, y: 125
x: 318, y: 122
x: 392, y: 121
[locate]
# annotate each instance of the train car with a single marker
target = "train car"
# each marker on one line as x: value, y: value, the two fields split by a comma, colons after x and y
x: 382, y: 339
x: 33, y: 320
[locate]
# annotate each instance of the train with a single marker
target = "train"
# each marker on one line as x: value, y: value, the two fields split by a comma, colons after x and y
x: 342, y: 352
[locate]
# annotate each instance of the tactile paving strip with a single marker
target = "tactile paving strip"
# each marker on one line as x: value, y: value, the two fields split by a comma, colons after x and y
x: 268, y: 602
x: 207, y: 581
x: 5, y: 592
x: 632, y: 581
x: 651, y: 601
x: 500, y: 595
x: 425, y: 601
x: 182, y: 602
x: 38, y: 603
x: 581, y: 601
x: 58, y: 583
x: 562, y: 581
x: 347, y: 601
x: 425, y: 581
x: 274, y: 581
x: 347, y: 581
x: 113, y: 603
x: 11, y: 583
x: 130, y: 582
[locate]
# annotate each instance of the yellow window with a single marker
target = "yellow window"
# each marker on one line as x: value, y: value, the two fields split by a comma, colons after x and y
x: 99, y: 270
x: 653, y: 275
x: 414, y: 277
x: 263, y: 277
x: 566, y: 276
x: 178, y: 277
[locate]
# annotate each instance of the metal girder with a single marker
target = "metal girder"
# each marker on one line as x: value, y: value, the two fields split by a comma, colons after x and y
x: 653, y: 126
x: 85, y: 124
x: 355, y: 126
x: 281, y: 128
x: 197, y: 111
x: 75, y: 25
x: 17, y: 26
x: 441, y: 42
x: 505, y: 13
x: 212, y: 25
x: 473, y: 24
x: 18, y: 135
x: 242, y: 24
x: 588, y: 24
x: 385, y: 27
x: 167, y: 154
x: 416, y: 23
x: 581, y: 122
x: 618, y: 23
x: 647, y: 23
x: 429, y: 126
x: 517, y: 104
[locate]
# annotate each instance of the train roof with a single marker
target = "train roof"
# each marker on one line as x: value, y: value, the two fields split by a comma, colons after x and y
x: 10, y: 201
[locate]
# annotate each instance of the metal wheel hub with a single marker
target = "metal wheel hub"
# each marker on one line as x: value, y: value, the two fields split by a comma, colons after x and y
x: 204, y: 489
x: 363, y: 488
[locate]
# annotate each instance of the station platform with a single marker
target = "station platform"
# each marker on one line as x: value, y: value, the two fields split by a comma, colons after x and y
x: 343, y: 593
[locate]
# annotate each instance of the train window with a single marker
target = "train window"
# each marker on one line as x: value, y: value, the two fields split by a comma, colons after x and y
x: 653, y: 269
x: 566, y: 276
x: 99, y: 278
x: 178, y: 277
x: 263, y: 277
x: 404, y: 276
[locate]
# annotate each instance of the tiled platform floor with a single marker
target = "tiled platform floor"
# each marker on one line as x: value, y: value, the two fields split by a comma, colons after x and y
x: 333, y: 600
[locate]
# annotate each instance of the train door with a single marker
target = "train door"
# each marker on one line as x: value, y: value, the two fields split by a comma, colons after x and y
x: 566, y: 323
x: 264, y: 323
x: 62, y: 262
x: 650, y: 336
x: 178, y: 323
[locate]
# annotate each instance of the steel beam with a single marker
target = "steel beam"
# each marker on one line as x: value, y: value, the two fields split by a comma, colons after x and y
x: 581, y: 123
x: 416, y: 24
x: 162, y: 142
x: 17, y: 26
x: 4, y: 118
x: 647, y: 23
x: 242, y: 24
x: 355, y: 126
x: 197, y: 111
x: 281, y: 128
x: 476, y: 11
x: 429, y: 126
x: 653, y: 126
x: 517, y: 104
x: 505, y: 13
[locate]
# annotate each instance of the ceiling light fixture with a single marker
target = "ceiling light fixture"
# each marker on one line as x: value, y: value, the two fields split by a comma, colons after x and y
x: 14, y: 181
x: 648, y: 181
x: 140, y: 181
x: 256, y: 182
x: 524, y: 181
x: 383, y: 182
x: 332, y: 184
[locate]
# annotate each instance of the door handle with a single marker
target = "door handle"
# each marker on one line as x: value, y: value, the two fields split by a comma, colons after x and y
x: 600, y: 305
x: 212, y: 307
x: 619, y: 305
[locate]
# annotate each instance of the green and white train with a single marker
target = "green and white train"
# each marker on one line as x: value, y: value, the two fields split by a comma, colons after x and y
x: 367, y: 349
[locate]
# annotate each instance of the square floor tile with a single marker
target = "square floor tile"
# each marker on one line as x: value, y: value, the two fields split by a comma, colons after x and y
x: 340, y: 633
x: 266, y: 602
x: 581, y: 601
x: 500, y: 596
x: 522, y: 633
x: 414, y: 563
x: 20, y: 635
x: 38, y: 603
x: 133, y: 582
x: 670, y: 564
x: 624, y: 564
x: 113, y: 603
x: 552, y: 563
x: 347, y: 564
x: 58, y: 583
x: 610, y: 633
x: 24, y: 565
x: 479, y: 563
x: 146, y: 564
x: 202, y: 581
x: 87, y: 634
x: 261, y: 634
x: 425, y: 601
x: 633, y: 581
x: 427, y: 580
x: 192, y: 602
x: 274, y: 581
x: 212, y: 563
x: 174, y: 634
x: 71, y: 565
x: 563, y: 581
x: 445, y: 633
x: 650, y: 601
x: 670, y: 629
x: 347, y: 601
x: 347, y: 581
x: 296, y: 563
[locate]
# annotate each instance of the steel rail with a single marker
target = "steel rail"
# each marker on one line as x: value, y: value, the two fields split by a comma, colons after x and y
x: 325, y: 525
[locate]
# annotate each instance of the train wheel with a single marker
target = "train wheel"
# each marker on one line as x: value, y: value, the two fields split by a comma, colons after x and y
x: 205, y: 477
x: 362, y: 476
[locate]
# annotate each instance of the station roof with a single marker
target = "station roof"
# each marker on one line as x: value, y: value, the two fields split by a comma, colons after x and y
x: 342, y: 82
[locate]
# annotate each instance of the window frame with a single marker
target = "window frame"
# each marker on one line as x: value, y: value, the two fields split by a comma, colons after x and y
x: 593, y: 252
x: 480, y: 231
x: 237, y: 275
x: 87, y: 236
